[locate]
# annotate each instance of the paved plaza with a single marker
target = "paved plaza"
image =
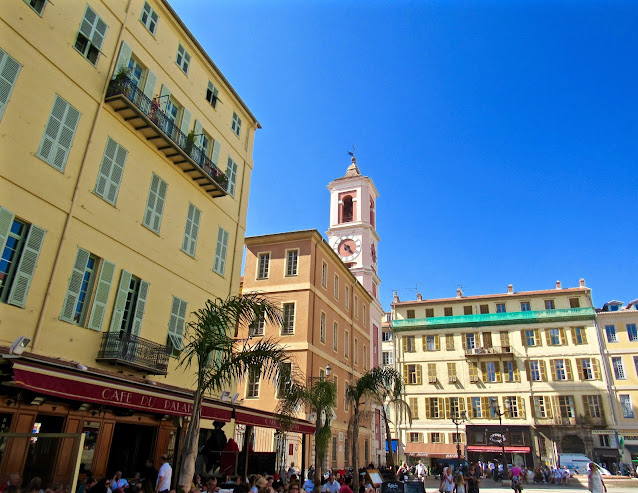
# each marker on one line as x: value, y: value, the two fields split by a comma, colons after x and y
x: 578, y: 483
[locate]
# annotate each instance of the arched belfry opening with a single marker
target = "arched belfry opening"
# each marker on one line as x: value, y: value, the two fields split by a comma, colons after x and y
x: 347, y: 210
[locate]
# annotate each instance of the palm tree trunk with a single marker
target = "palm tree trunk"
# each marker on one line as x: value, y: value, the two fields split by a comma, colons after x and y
x: 318, y: 458
x: 191, y: 441
x: 388, y: 439
x: 355, y: 449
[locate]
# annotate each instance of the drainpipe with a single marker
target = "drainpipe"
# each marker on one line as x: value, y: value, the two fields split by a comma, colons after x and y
x: 85, y: 158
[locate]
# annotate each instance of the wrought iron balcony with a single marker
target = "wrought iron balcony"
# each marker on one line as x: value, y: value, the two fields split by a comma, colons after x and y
x: 489, y: 319
x: 122, y: 348
x: 146, y: 117
x: 489, y: 351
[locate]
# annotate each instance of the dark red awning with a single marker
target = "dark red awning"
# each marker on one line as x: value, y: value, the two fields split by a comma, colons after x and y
x: 492, y: 448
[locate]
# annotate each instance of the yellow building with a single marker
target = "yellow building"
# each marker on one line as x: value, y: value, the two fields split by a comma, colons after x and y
x: 127, y: 158
x: 532, y: 356
x: 618, y: 325
x: 325, y: 325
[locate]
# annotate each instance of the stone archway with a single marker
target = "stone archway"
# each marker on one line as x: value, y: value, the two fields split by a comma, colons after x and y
x: 572, y: 444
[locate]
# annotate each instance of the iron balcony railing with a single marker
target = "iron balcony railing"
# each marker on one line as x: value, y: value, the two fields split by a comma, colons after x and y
x: 480, y: 351
x: 151, y: 109
x: 133, y: 351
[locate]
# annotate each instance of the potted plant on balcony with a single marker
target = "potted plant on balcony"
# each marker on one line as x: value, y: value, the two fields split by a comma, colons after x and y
x: 190, y: 143
x: 122, y: 76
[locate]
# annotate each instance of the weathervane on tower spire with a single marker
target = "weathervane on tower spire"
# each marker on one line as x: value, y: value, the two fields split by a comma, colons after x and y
x: 354, y: 159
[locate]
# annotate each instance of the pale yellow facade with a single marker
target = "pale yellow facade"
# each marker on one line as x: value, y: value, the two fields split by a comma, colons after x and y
x: 536, y: 351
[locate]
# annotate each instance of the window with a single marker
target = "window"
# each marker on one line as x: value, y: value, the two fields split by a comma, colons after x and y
x: 288, y: 324
x: 435, y: 437
x: 456, y: 437
x: 626, y: 406
x: 335, y: 336
x: 220, y: 251
x: 413, y: 402
x: 356, y: 306
x: 531, y: 337
x: 231, y: 174
x: 588, y: 369
x: 235, y: 126
x: 322, y: 328
x: 566, y: 406
x: 324, y: 275
x: 470, y: 341
x: 412, y: 374
x: 432, y: 373
x: 429, y: 312
x: 549, y: 304
x: 632, y: 333
x: 409, y: 344
x: 283, y: 378
x: 449, y: 342
x: 386, y: 336
x: 484, y: 309
x: 58, y: 134
x: 20, y: 244
x: 9, y: 70
x: 256, y: 327
x: 387, y: 358
x: 500, y: 308
x: 505, y: 339
x: 263, y: 264
x: 561, y: 369
x: 212, y: 94
x: 579, y: 335
x: 477, y: 408
x: 536, y: 370
x: 414, y: 437
x: 514, y: 412
x: 410, y: 314
x: 610, y: 330
x: 447, y: 311
x: 574, y: 303
x: 347, y: 297
x: 431, y: 343
x: 510, y: 372
x: 292, y: 257
x: 149, y: 18
x: 191, y: 230
x: 365, y: 357
x: 91, y: 36
x: 130, y: 303
x: 542, y: 408
x: 183, y: 59
x: 346, y: 344
x: 619, y: 368
x: 111, y: 171
x: 434, y: 407
x: 604, y: 441
x: 336, y: 287
x: 487, y: 339
x: 155, y: 204
x: 356, y: 351
x: 491, y: 370
x: 592, y: 405
x: 451, y: 372
x: 473, y: 371
x: 252, y: 385
x: 37, y: 5
x: 467, y: 310
x: 454, y: 406
x: 176, y: 326
x: 334, y: 448
x: 525, y: 307
x: 636, y: 364
x: 553, y: 337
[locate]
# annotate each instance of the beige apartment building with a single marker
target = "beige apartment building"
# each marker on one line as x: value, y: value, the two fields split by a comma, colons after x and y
x: 533, y: 357
x: 618, y: 324
x: 127, y: 158
x: 326, y: 317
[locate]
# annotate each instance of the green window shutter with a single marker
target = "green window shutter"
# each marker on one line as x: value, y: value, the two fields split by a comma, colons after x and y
x: 155, y: 204
x: 149, y: 85
x: 186, y: 121
x: 9, y: 70
x: 165, y: 95
x: 215, y: 155
x: 191, y: 230
x: 220, y: 251
x: 75, y: 285
x: 123, y: 58
x: 231, y: 173
x: 6, y: 220
x: 26, y: 267
x: 176, y: 323
x: 140, y: 307
x: 98, y: 310
x: 120, y: 301
x: 58, y: 134
x: 93, y: 28
x: 111, y: 171
x: 198, y: 130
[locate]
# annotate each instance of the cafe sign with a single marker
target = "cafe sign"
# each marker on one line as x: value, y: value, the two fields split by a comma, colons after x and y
x: 497, y: 437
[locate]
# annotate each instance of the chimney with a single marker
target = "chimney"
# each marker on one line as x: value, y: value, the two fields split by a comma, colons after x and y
x: 558, y: 285
x: 510, y: 289
x: 581, y: 283
x: 459, y: 293
x: 396, y: 297
x: 419, y: 297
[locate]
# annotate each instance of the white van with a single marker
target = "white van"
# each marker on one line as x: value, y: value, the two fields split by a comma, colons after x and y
x: 578, y: 463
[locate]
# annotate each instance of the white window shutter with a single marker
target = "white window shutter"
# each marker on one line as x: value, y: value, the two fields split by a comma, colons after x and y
x: 75, y: 285
x: 120, y: 301
x: 149, y: 85
x: 215, y: 156
x: 176, y: 323
x: 26, y: 266
x: 6, y: 221
x: 198, y: 130
x: 98, y: 310
x: 231, y: 173
x: 155, y: 204
x: 123, y: 58
x: 58, y: 134
x: 186, y: 121
x: 191, y: 230
x: 165, y: 95
x: 220, y: 251
x: 9, y: 70
x: 139, y: 308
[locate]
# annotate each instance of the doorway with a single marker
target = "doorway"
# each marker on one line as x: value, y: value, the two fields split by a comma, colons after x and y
x: 131, y: 446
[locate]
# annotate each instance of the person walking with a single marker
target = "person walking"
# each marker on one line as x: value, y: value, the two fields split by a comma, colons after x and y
x: 420, y: 471
x: 447, y: 481
x: 164, y: 476
x: 595, y: 480
x: 472, y: 478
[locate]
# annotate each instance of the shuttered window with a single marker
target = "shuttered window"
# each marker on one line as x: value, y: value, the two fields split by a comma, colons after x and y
x: 212, y: 94
x: 9, y: 70
x: 220, y: 251
x: 176, y: 326
x: 235, y: 126
x: 58, y: 134
x: 191, y: 230
x: 37, y: 5
x: 91, y: 35
x: 111, y: 171
x: 101, y: 297
x: 20, y: 245
x: 149, y: 18
x: 130, y: 304
x: 155, y: 204
x: 231, y: 173
x: 183, y: 59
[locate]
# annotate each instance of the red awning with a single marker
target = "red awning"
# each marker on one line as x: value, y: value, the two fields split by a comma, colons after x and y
x: 86, y: 386
x: 440, y: 450
x: 491, y: 448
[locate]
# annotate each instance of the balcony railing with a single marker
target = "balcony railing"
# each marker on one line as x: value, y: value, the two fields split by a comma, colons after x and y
x: 489, y: 351
x: 122, y: 348
x: 147, y: 118
x: 488, y: 319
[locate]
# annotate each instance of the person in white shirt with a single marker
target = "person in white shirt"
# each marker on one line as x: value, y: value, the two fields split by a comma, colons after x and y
x: 119, y: 483
x: 420, y: 471
x: 163, y: 484
x: 332, y: 486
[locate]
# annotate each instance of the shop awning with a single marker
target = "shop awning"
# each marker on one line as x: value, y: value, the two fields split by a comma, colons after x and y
x: 87, y: 386
x: 439, y: 450
x: 491, y: 448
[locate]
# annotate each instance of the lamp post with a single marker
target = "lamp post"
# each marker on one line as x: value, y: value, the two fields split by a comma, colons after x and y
x: 457, y: 420
x: 497, y: 411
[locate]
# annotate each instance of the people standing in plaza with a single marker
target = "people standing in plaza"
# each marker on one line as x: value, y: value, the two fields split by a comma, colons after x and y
x: 595, y: 480
x: 472, y: 477
x: 332, y: 486
x: 447, y: 481
x: 346, y: 488
x: 420, y: 471
x: 459, y: 484
x: 163, y: 484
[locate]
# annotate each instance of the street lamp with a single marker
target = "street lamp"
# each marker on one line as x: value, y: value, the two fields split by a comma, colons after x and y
x: 457, y: 420
x: 497, y: 411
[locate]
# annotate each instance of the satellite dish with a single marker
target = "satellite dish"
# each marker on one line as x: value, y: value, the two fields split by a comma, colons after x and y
x: 235, y: 397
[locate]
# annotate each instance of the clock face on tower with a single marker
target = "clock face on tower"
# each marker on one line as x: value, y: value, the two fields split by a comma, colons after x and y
x: 348, y: 247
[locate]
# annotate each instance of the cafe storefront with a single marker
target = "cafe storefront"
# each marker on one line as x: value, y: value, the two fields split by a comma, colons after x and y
x: 486, y: 443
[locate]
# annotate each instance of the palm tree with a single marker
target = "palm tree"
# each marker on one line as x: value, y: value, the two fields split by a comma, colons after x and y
x: 321, y: 397
x: 218, y: 359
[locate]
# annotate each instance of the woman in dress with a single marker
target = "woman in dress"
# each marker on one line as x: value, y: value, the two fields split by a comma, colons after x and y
x: 595, y: 480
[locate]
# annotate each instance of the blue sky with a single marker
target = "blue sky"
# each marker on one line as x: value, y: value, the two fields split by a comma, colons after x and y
x: 501, y: 135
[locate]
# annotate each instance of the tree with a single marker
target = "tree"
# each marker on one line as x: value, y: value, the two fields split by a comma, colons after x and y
x: 218, y: 359
x: 321, y: 397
